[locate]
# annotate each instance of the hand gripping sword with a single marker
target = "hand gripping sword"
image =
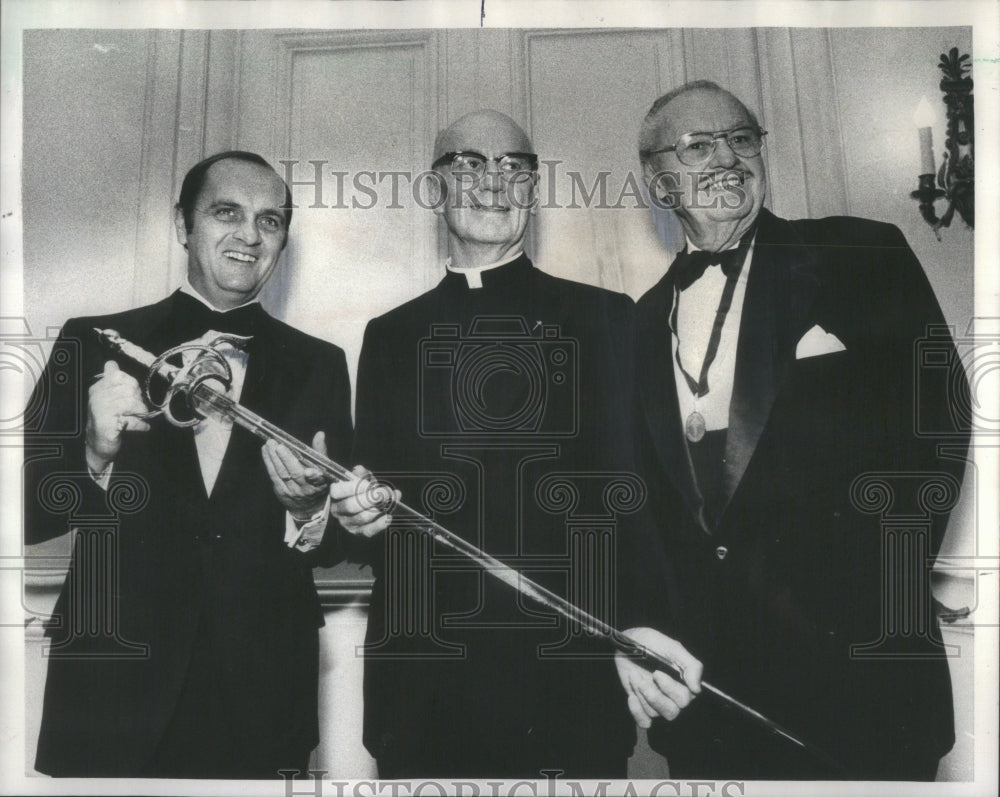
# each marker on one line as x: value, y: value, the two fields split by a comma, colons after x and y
x: 202, y: 384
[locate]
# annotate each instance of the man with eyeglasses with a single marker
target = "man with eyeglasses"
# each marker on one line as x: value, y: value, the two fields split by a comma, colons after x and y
x: 497, y: 403
x: 777, y: 404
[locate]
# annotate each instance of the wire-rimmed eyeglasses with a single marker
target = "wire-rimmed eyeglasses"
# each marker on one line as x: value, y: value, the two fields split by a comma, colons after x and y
x: 696, y: 149
x: 510, y: 166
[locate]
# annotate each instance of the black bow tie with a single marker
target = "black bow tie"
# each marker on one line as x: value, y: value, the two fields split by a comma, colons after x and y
x: 688, y: 267
x: 195, y: 318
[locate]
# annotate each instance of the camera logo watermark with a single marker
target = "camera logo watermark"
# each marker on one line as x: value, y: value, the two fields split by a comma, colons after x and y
x: 498, y: 410
x: 87, y: 622
x: 500, y: 378
x: 50, y: 364
x: 956, y: 383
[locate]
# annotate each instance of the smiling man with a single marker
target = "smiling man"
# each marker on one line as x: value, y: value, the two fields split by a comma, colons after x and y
x: 487, y: 401
x: 778, y: 400
x: 185, y: 640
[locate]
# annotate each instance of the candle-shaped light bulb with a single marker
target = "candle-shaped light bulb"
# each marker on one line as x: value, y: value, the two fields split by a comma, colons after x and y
x: 924, y: 118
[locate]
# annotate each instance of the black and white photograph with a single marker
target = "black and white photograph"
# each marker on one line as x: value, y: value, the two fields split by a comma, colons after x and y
x: 489, y: 397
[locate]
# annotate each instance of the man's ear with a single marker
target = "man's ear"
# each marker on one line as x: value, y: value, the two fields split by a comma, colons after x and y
x: 664, y: 187
x: 533, y: 207
x: 437, y: 192
x: 534, y: 195
x: 648, y: 174
x: 180, y: 227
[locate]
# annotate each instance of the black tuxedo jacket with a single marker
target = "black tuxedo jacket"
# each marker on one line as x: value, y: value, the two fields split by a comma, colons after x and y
x: 163, y: 575
x: 503, y: 413
x: 809, y: 600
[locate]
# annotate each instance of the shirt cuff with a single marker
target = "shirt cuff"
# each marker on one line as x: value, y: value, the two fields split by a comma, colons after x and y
x: 310, y: 534
x: 103, y: 479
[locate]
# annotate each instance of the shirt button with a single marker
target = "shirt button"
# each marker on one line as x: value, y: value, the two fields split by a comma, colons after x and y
x: 721, y: 552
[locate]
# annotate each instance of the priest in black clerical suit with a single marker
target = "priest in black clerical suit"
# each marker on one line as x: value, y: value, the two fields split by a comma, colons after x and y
x: 497, y: 403
x: 780, y: 407
x: 185, y: 640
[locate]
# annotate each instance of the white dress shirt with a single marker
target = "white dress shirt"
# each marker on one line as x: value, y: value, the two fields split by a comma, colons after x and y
x: 211, y: 435
x: 696, y: 309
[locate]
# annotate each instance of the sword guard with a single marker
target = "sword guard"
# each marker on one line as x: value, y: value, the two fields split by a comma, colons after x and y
x: 206, y: 365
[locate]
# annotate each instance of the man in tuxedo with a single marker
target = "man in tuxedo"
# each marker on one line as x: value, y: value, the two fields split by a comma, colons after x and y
x: 497, y: 403
x: 778, y: 407
x: 185, y: 640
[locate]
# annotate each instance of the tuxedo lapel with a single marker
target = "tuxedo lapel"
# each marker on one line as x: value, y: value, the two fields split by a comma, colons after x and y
x: 781, y: 289
x: 658, y: 392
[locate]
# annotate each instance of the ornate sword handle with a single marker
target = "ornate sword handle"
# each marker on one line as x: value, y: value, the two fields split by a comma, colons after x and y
x: 183, y: 379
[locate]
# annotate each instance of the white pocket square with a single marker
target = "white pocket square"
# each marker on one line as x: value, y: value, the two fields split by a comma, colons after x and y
x: 818, y: 341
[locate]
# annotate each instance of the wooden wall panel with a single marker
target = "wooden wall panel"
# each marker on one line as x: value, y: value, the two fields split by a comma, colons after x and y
x: 361, y: 107
x: 783, y: 150
x: 480, y: 72
x: 221, y: 107
x: 159, y: 126
x: 819, y: 121
x: 585, y: 122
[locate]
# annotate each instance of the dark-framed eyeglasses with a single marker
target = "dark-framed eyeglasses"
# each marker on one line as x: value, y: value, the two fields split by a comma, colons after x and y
x: 696, y: 149
x: 510, y: 165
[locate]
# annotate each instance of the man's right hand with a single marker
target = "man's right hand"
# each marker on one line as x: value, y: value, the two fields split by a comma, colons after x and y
x: 113, y: 406
x: 360, y: 503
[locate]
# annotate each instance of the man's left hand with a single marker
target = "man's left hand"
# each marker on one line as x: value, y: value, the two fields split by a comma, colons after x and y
x: 301, y: 489
x: 652, y: 694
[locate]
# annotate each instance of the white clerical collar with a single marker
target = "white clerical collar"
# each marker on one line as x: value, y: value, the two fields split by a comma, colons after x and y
x: 474, y: 274
x: 190, y: 290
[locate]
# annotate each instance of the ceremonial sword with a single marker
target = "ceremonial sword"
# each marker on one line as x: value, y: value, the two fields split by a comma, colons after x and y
x: 193, y: 382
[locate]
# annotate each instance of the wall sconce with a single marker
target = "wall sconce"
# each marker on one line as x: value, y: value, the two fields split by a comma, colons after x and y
x: 956, y: 177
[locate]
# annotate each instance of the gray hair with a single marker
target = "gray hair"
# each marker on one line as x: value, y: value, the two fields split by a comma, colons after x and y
x: 647, y: 131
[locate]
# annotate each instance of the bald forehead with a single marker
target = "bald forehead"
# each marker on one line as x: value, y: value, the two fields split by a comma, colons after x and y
x: 488, y: 132
x: 245, y: 177
x: 701, y: 110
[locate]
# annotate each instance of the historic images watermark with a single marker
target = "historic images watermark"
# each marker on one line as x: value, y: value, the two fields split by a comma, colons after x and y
x: 552, y: 786
x: 556, y: 188
x: 969, y: 375
x: 498, y: 402
x: 950, y: 402
x: 86, y: 625
x: 24, y: 356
